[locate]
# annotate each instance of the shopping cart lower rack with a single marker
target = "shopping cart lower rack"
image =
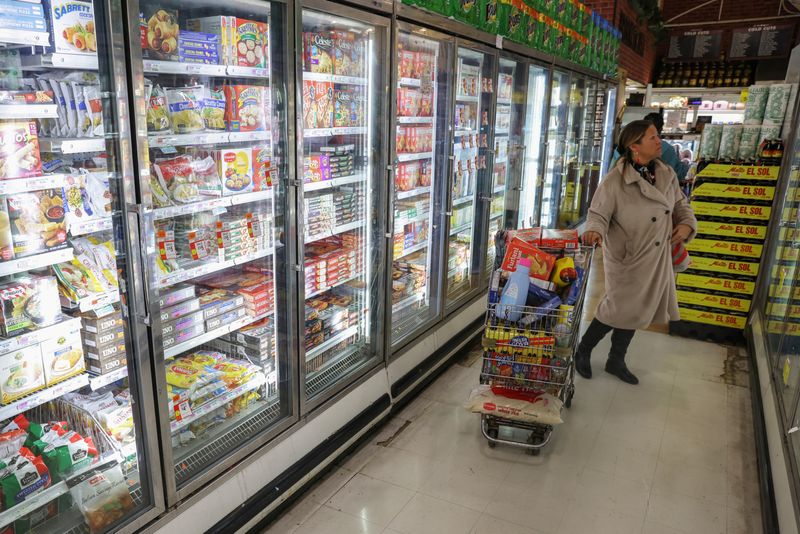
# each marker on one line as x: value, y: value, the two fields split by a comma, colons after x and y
x: 528, y: 369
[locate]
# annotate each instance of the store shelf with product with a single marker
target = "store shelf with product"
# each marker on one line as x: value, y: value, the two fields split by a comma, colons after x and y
x: 404, y: 157
x: 408, y: 301
x: 333, y: 182
x: 72, y: 146
x: 218, y: 402
x: 59, y: 61
x: 402, y: 195
x: 334, y: 78
x: 415, y: 248
x: 192, y: 272
x: 414, y: 120
x: 212, y: 204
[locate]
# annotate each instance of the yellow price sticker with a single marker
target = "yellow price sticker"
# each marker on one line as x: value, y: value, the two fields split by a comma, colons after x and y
x: 787, y: 367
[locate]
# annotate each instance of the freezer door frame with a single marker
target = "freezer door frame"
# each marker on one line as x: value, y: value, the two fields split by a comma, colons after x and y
x: 392, y: 351
x: 382, y: 23
x: 547, y: 144
x: 482, y: 189
x: 141, y: 231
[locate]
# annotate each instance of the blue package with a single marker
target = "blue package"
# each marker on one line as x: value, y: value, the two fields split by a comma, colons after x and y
x: 541, y: 311
x: 18, y: 22
x: 19, y: 8
x: 537, y: 295
x: 575, y: 289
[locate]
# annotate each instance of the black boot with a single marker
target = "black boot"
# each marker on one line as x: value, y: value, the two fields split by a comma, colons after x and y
x: 620, y: 339
x: 591, y: 338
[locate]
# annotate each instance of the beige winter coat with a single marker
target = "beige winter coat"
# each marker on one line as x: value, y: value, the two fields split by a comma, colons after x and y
x: 636, y: 221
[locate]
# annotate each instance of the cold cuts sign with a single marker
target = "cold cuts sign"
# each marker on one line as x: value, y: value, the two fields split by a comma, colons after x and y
x: 695, y: 44
x: 761, y: 41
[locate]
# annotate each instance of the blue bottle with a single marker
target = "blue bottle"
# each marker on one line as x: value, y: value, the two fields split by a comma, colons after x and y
x: 515, y: 293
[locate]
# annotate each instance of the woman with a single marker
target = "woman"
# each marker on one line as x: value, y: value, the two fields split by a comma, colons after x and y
x: 637, y: 213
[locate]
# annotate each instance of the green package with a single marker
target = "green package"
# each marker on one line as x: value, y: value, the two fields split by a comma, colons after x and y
x: 70, y: 452
x: 466, y: 11
x: 510, y: 17
x: 533, y: 37
x: 23, y: 475
x: 487, y: 17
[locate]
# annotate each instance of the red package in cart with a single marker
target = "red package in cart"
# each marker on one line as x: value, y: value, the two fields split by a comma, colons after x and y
x: 541, y: 262
x: 553, y: 238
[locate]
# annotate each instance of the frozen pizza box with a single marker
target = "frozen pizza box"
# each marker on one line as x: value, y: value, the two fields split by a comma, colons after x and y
x: 219, y: 301
x: 105, y: 353
x: 99, y: 341
x: 179, y: 310
x: 172, y: 327
x: 176, y: 294
x: 102, y: 367
x: 62, y: 357
x: 225, y: 318
x: 73, y: 26
x: 98, y: 325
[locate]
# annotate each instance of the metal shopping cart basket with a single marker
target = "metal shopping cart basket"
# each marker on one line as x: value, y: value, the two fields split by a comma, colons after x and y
x: 532, y: 355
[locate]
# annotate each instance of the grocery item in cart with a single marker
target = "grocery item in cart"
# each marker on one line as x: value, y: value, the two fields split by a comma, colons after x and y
x: 72, y: 27
x: 564, y: 272
x: 558, y: 238
x: 159, y: 33
x: 529, y: 407
x: 541, y: 262
x: 19, y: 150
x: 21, y: 373
x: 102, y: 496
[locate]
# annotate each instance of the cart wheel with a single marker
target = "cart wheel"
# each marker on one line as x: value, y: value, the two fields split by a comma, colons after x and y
x: 492, y: 434
x: 534, y: 439
x: 534, y: 452
x: 568, y: 402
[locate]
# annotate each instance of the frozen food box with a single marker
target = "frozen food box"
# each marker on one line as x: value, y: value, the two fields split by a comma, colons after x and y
x: 21, y: 373
x: 346, y: 61
x: 101, y: 340
x: 250, y: 43
x: 343, y: 114
x: 554, y: 238
x: 19, y: 150
x: 235, y: 169
x: 316, y: 168
x: 62, y: 357
x: 219, y: 301
x: 262, y: 169
x: 220, y: 26
x: 22, y: 8
x: 73, y: 28
x: 37, y: 221
x: 171, y: 327
x: 318, y: 104
x: 246, y: 110
x: 179, y: 310
x: 175, y: 294
x: 98, y: 325
x: 159, y: 32
x: 184, y: 334
x: 28, y: 303
x: 541, y: 262
x: 105, y: 353
x: 225, y: 318
x: 103, y: 367
x: 318, y: 52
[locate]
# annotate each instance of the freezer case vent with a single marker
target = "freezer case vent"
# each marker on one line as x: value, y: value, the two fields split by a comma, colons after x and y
x: 332, y: 371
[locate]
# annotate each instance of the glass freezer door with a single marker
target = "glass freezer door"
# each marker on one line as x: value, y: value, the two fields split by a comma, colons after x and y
x: 74, y: 389
x: 508, y: 148
x: 212, y: 164
x: 530, y: 190
x: 472, y: 135
x: 342, y: 114
x: 420, y: 179
x: 556, y: 152
x: 570, y: 193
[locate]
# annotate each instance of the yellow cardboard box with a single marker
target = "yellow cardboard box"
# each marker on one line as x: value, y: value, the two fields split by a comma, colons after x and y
x: 713, y: 246
x: 713, y: 318
x: 742, y: 287
x: 725, y: 266
x: 731, y: 230
x: 733, y: 211
x: 725, y: 302
x: 745, y: 192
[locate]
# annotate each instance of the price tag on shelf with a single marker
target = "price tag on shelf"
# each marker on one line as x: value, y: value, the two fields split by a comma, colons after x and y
x: 498, y: 42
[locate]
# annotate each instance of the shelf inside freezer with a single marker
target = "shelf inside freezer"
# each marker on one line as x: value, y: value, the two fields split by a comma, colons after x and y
x: 175, y: 67
x: 60, y: 61
x: 45, y: 395
x: 459, y: 229
x: 501, y: 131
x: 211, y: 204
x: 335, y: 182
x: 414, y: 157
x: 10, y: 36
x: 401, y: 195
x: 466, y: 98
x: 28, y: 111
x: 410, y: 250
x: 414, y: 120
x: 402, y: 221
x: 180, y: 348
x: 35, y: 183
x: 36, y: 501
x: 204, y: 138
x: 99, y: 381
x: 208, y: 268
x: 463, y: 200
x: 464, y: 131
x: 495, y: 216
x: 72, y: 146
x: 333, y: 78
x: 92, y: 302
x: 410, y: 82
x: 90, y: 226
x: 504, y: 101
x: 331, y: 342
x: 499, y: 188
x: 310, y: 133
x: 408, y: 301
x: 337, y: 284
x: 336, y: 231
x: 68, y: 324
x: 35, y: 262
x: 254, y: 383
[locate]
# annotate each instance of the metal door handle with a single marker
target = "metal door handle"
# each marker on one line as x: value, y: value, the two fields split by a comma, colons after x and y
x: 142, y: 223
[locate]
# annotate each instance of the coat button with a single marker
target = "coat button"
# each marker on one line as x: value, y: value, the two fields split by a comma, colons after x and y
x: 658, y: 243
x: 654, y: 219
x: 666, y: 212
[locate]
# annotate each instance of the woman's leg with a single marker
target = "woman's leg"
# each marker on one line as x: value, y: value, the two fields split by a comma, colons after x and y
x: 620, y: 339
x: 596, y: 331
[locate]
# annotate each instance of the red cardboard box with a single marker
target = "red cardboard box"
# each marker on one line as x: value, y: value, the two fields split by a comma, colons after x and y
x: 566, y: 239
x: 541, y: 262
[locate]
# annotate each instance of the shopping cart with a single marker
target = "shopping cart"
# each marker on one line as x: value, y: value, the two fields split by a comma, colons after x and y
x: 532, y: 356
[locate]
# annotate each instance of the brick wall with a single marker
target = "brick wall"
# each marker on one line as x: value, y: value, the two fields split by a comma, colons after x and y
x: 638, y: 66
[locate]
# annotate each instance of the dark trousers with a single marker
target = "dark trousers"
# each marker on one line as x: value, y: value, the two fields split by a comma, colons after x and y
x: 620, y: 339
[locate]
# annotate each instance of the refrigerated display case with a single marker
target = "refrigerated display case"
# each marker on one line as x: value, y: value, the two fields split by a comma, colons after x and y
x: 419, y: 188
x: 592, y: 146
x: 508, y: 147
x: 470, y: 172
x: 75, y: 388
x: 212, y: 220
x: 556, y: 148
x: 608, y: 129
x: 569, y: 193
x: 535, y: 141
x: 342, y: 113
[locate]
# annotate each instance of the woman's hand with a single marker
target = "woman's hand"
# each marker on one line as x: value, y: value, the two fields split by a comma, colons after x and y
x: 681, y: 233
x: 592, y: 239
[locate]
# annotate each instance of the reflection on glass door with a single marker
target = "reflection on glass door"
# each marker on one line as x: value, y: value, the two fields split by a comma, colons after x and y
x: 469, y: 175
x: 530, y: 191
x: 592, y: 145
x: 508, y: 141
x: 570, y: 190
x: 556, y: 154
x: 212, y: 167
x: 342, y: 150
x: 420, y: 180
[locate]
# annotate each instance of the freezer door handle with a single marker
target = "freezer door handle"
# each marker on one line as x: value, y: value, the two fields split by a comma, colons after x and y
x: 141, y: 223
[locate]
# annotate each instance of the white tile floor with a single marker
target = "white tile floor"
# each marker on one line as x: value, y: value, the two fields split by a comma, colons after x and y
x: 673, y: 455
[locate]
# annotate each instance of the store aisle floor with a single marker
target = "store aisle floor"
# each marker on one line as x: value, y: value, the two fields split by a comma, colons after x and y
x: 673, y: 455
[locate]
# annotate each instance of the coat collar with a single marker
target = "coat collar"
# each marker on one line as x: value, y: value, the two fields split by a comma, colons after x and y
x: 630, y: 176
